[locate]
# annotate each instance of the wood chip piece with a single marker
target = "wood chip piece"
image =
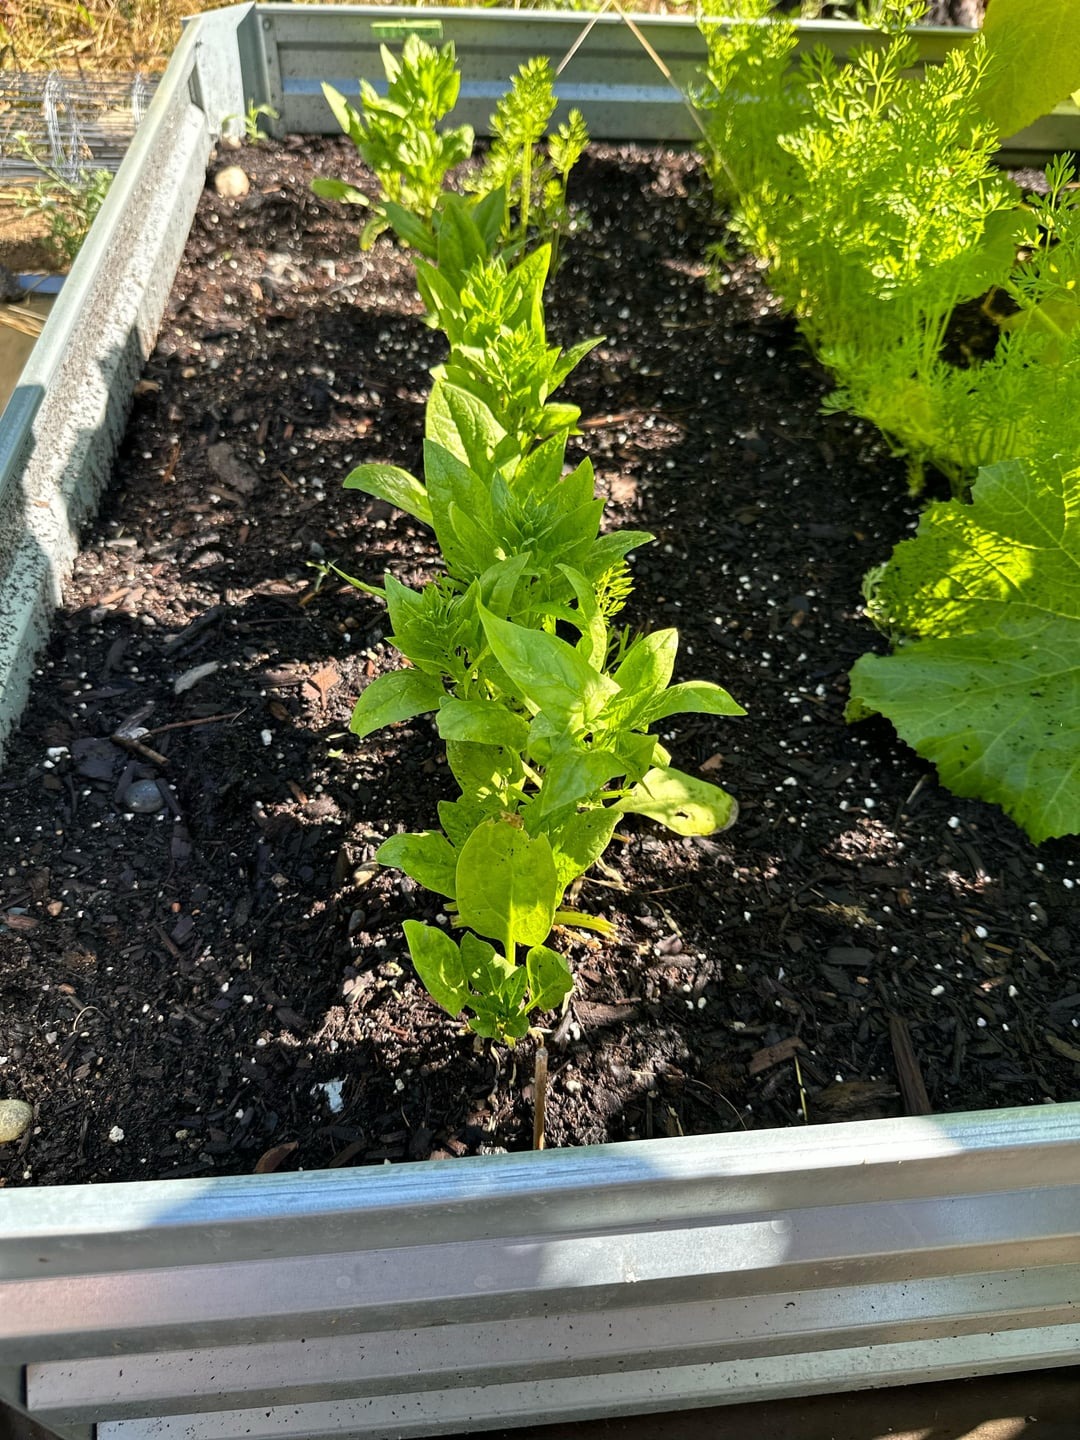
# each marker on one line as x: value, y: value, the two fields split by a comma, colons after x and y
x: 1062, y: 1047
x: 908, y: 1070
x: 190, y: 678
x: 847, y: 1098
x: 195, y: 627
x: 19, y: 922
x: 271, y: 1159
x: 774, y: 1054
x: 594, y: 1012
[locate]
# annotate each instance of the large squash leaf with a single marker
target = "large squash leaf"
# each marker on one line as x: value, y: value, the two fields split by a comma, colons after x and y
x: 985, y: 681
x: 1034, y: 52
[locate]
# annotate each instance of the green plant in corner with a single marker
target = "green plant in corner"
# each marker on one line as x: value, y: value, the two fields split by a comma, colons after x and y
x: 870, y: 191
x: 68, y: 203
x: 984, y: 607
x: 251, y: 120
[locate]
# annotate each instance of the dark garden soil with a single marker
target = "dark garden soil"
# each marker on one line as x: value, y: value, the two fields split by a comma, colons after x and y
x: 201, y: 969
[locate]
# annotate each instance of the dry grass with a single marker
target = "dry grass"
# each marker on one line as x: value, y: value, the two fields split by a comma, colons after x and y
x: 141, y: 34
x: 24, y: 238
x: 97, y: 34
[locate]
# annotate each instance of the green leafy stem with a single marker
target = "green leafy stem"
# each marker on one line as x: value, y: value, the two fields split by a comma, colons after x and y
x: 544, y: 705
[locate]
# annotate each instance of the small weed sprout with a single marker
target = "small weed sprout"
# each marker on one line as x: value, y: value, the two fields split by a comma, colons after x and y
x: 68, y: 204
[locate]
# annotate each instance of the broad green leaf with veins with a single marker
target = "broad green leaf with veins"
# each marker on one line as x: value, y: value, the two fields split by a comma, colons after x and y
x: 400, y: 695
x: 683, y: 803
x: 549, y: 673
x: 438, y: 962
x: 1035, y: 49
x: 986, y: 679
x: 391, y: 483
x: 550, y: 980
x: 699, y: 697
x: 462, y: 424
x: 580, y: 840
x: 427, y: 856
x: 482, y: 722
x: 507, y: 888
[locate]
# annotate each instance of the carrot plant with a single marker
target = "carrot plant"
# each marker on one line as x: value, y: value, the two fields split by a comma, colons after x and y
x: 532, y: 177
x: 544, y: 703
x: 868, y: 188
x: 398, y: 134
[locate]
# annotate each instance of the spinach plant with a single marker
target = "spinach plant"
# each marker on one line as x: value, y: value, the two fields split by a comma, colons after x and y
x: 499, y: 350
x: 545, y: 707
x: 488, y: 300
x: 547, y: 738
x: 519, y: 185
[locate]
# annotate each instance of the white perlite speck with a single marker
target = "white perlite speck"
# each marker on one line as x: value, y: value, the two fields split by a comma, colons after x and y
x: 116, y: 1134
x: 332, y: 1090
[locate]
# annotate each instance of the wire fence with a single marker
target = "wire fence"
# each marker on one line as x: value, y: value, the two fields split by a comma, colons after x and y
x: 71, y: 122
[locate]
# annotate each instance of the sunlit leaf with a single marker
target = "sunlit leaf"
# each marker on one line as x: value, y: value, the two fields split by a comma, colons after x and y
x: 986, y: 681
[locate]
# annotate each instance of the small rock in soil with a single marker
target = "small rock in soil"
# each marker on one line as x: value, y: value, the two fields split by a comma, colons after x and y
x: 15, y: 1117
x: 231, y: 183
x: 144, y: 797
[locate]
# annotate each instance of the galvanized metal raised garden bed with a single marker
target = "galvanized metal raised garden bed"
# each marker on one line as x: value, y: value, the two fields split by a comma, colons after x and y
x: 510, y: 1290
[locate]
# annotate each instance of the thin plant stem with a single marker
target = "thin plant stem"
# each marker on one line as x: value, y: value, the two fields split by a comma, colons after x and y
x: 641, y: 38
x: 582, y: 37
x: 540, y: 1082
x: 802, y: 1091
